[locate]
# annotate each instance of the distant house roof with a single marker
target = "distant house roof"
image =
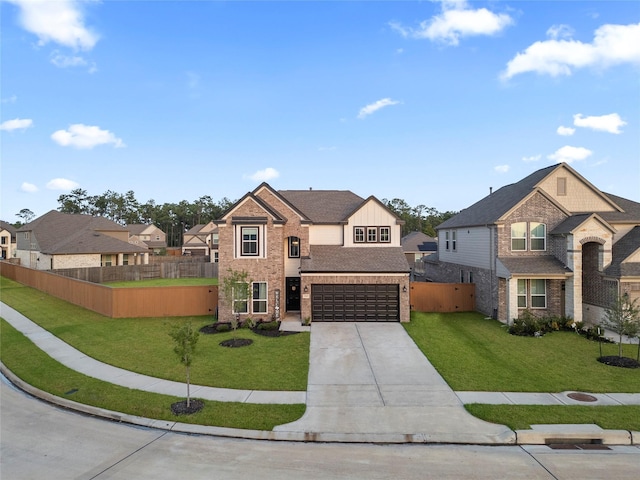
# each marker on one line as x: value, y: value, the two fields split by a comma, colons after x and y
x: 9, y: 228
x: 65, y: 233
x: 621, y: 251
x: 338, y: 259
x: 418, y: 242
x: 137, y: 228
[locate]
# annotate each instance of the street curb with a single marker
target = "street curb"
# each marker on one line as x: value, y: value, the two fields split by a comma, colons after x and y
x: 538, y: 435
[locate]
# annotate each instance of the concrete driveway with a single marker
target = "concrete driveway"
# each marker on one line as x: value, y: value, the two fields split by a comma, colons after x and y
x: 370, y: 382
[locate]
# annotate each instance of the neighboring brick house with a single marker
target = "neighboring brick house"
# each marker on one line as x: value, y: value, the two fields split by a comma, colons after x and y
x: 201, y: 240
x: 7, y: 240
x: 323, y: 255
x: 149, y: 235
x: 551, y: 242
x: 63, y: 240
x: 416, y: 245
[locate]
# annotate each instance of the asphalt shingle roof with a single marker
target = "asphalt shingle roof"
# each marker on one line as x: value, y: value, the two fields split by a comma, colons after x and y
x: 323, y: 206
x: 338, y: 259
x: 418, y: 242
x: 534, y: 265
x: 621, y: 251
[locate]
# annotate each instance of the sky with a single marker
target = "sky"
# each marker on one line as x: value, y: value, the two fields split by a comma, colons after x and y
x: 432, y: 102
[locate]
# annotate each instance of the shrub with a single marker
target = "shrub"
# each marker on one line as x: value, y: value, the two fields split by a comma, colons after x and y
x: 529, y: 325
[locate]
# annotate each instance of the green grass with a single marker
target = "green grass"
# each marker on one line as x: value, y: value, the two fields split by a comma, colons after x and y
x: 476, y: 354
x: 164, y: 282
x: 521, y: 417
x: 36, y: 368
x: 143, y: 345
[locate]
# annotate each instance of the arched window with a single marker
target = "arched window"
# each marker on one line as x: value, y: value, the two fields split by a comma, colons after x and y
x: 519, y: 236
x: 538, y: 236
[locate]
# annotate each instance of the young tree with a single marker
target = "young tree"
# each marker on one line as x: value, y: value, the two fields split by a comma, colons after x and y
x: 185, y: 338
x: 236, y: 290
x: 623, y: 318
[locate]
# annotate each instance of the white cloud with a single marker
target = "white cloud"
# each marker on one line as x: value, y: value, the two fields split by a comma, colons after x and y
x: 11, y: 99
x: 62, y: 184
x: 16, y: 124
x: 456, y: 21
x: 85, y: 136
x: 606, y: 123
x: 502, y: 168
x: 565, y: 131
x: 560, y: 31
x: 64, y: 61
x: 375, y: 106
x: 28, y: 187
x: 533, y: 158
x: 612, y: 45
x: 264, y: 175
x: 570, y: 154
x: 59, y: 21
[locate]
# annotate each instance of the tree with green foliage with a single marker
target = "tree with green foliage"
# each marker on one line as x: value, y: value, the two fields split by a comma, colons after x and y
x: 26, y: 215
x: 236, y: 290
x: 185, y: 338
x: 623, y: 318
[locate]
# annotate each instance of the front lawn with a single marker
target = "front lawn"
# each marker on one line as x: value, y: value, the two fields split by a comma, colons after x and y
x: 473, y: 353
x: 36, y: 368
x: 143, y: 345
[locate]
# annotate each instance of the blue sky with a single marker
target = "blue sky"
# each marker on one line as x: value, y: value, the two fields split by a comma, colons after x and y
x: 432, y: 102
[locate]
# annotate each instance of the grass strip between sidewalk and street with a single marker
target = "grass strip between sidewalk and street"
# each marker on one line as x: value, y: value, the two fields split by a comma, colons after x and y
x: 36, y: 368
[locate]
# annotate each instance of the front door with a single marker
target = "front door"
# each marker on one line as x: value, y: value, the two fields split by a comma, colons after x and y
x: 293, y: 294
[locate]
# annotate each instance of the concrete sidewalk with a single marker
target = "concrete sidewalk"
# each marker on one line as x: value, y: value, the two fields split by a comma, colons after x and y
x: 76, y: 360
x: 370, y: 382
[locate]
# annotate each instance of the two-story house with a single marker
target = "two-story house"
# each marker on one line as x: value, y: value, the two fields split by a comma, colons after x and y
x: 552, y: 243
x: 201, y: 239
x: 149, y: 235
x: 7, y: 240
x: 64, y: 240
x: 323, y: 255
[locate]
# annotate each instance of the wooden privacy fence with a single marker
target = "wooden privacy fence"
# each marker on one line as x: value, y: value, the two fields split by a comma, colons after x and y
x: 173, y: 301
x: 126, y: 273
x: 443, y: 297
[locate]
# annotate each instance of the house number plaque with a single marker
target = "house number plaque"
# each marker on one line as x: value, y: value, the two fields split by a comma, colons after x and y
x: 277, y: 303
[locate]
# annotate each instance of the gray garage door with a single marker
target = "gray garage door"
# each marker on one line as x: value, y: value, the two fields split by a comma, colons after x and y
x: 355, y: 303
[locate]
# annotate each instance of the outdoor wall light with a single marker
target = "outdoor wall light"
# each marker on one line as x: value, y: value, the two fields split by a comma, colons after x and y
x: 306, y: 289
x: 404, y: 289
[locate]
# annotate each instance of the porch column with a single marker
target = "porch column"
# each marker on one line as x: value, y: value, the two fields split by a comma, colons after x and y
x: 120, y: 259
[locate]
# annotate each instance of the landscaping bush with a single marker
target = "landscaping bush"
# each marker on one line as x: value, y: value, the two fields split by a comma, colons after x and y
x: 529, y: 325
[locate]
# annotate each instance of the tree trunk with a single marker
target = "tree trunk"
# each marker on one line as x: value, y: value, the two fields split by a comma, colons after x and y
x: 188, y: 383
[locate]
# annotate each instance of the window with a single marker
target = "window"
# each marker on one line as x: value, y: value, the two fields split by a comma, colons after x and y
x: 4, y: 240
x: 215, y: 237
x: 538, y: 294
x: 372, y: 234
x: 562, y: 186
x: 259, y: 297
x: 453, y: 240
x: 241, y: 298
x: 106, y: 260
x: 125, y: 259
x: 215, y: 257
x: 470, y: 277
x: 249, y: 241
x: 522, y: 294
x: 294, y: 247
x: 358, y: 234
x: 446, y: 241
x: 519, y: 236
x: 385, y: 234
x: 538, y: 236
x: 461, y: 276
x: 158, y: 238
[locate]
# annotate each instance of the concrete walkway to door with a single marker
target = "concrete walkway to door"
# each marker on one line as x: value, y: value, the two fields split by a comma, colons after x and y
x: 369, y: 382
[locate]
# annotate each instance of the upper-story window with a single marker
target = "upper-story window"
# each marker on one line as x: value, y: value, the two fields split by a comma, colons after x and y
x: 249, y: 241
x: 3, y: 240
x: 358, y: 234
x: 519, y: 236
x: 454, y: 245
x: 372, y: 234
x: 294, y: 247
x: 446, y: 241
x: 538, y: 236
x: 385, y: 234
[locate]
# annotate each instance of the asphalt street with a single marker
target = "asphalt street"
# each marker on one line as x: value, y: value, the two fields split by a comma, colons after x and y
x: 39, y: 440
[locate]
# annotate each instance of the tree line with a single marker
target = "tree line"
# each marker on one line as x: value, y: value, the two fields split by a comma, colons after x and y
x: 176, y: 218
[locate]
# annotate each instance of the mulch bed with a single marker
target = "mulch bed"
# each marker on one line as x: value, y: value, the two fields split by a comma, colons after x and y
x: 221, y: 327
x: 616, y: 361
x: 180, y: 408
x: 236, y: 342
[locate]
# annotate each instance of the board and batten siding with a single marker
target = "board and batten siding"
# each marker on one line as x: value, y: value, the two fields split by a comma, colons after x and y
x: 372, y: 214
x: 472, y: 247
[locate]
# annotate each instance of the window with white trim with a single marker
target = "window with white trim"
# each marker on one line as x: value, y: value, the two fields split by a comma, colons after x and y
x: 538, y: 293
x: 106, y: 260
x: 461, y: 276
x: 453, y: 240
x: 249, y: 241
x: 519, y: 236
x: 538, y: 236
x: 372, y: 234
x: 385, y: 234
x: 358, y: 234
x: 240, y: 298
x: 522, y: 293
x: 215, y: 257
x: 446, y: 241
x: 259, y: 302
x: 125, y: 259
x: 470, y: 276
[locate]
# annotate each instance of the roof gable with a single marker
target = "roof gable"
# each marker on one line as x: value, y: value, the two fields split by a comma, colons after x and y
x: 251, y: 199
x: 378, y: 204
x: 323, y: 206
